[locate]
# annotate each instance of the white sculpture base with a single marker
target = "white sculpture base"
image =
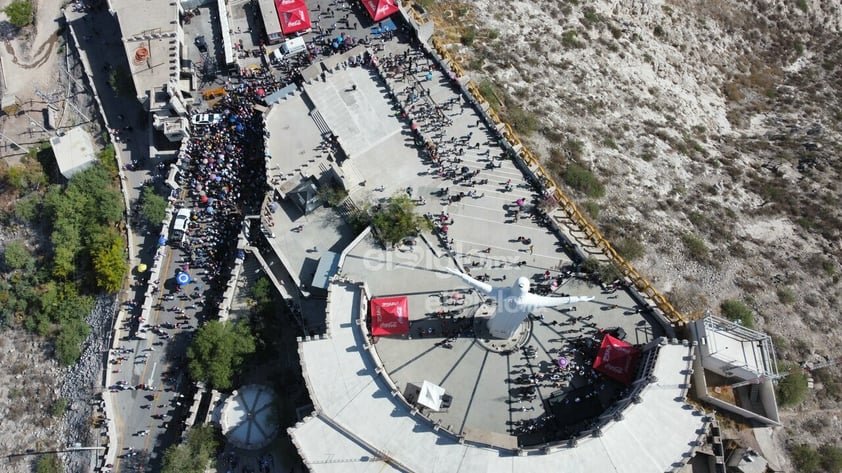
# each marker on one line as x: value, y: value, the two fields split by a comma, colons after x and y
x: 490, y: 342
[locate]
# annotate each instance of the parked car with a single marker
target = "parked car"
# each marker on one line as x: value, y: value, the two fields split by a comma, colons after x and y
x: 201, y: 44
x: 206, y: 118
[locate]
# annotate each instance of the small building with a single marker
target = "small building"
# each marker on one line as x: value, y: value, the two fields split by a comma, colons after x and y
x: 735, y: 369
x: 74, y: 152
x: 328, y: 266
x: 271, y: 21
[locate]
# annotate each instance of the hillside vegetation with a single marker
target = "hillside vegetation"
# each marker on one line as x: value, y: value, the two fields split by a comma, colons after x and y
x: 705, y: 136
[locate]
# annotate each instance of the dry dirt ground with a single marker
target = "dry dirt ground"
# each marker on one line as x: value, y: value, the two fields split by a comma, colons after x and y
x: 34, y: 61
x: 714, y: 127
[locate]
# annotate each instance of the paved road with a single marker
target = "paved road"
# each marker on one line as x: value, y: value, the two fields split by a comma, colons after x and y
x: 146, y: 418
x: 149, y: 381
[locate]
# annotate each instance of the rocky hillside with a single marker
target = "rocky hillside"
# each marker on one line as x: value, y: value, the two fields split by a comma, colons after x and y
x: 702, y: 137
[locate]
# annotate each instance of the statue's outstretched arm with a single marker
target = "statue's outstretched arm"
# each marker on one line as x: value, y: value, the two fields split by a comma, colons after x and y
x: 535, y: 300
x: 482, y: 287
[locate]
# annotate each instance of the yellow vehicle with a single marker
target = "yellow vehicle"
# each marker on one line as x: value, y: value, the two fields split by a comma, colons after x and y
x: 212, y: 94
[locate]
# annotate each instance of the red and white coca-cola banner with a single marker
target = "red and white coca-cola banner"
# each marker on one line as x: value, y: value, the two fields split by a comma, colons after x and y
x: 389, y: 316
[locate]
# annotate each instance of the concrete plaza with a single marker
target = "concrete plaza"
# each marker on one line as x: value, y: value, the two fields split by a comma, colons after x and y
x: 360, y: 384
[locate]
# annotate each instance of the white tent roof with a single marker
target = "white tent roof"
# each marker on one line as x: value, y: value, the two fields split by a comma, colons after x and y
x: 430, y: 395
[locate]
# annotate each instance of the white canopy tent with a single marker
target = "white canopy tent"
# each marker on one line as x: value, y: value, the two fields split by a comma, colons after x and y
x: 431, y: 395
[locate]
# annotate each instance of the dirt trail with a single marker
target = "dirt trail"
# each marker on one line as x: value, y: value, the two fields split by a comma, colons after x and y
x: 41, y: 54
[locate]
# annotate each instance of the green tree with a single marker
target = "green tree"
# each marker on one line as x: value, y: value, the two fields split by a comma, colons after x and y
x: 792, y: 389
x: 96, y: 188
x: 396, y: 220
x: 194, y: 455
x: 261, y: 291
x: 48, y: 463
x: 153, y: 207
x: 28, y: 175
x: 107, y: 159
x: 109, y: 261
x: 17, y: 255
x: 20, y: 13
x: 218, y: 351
x: 80, y: 214
x: 71, y: 334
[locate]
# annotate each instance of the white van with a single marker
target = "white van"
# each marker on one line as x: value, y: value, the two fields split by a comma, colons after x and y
x: 179, y: 225
x: 292, y: 46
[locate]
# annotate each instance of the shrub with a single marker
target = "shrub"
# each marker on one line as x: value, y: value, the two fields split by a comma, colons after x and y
x: 829, y: 378
x: 120, y: 80
x: 26, y: 208
x: 20, y: 13
x: 831, y: 457
x: 60, y: 407
x: 591, y: 209
x: 575, y: 149
x: 48, y: 464
x: 805, y: 458
x: 468, y: 36
x: 737, y: 311
x: 521, y: 120
x: 568, y: 40
x: 489, y: 93
x: 786, y: 295
x: 695, y: 246
x: 583, y: 181
x: 792, y: 389
x: 658, y: 31
x: 17, y: 255
x: 107, y: 159
x: 608, y: 273
x: 590, y: 17
x: 590, y: 265
x: 629, y: 249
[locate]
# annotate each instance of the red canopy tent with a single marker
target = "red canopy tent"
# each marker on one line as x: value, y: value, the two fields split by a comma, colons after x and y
x: 389, y: 316
x: 379, y: 9
x: 293, y: 15
x: 617, y: 359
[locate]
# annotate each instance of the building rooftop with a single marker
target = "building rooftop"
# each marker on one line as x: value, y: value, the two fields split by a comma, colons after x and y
x: 736, y: 346
x: 74, y: 151
x: 360, y: 419
x: 151, y: 37
x: 360, y: 384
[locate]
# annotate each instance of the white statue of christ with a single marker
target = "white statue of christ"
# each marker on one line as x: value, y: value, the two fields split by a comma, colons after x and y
x: 513, y: 303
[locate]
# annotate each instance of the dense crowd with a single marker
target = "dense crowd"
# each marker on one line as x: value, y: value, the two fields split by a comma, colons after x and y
x: 223, y: 172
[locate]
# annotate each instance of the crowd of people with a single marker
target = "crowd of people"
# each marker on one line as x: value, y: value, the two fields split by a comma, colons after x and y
x: 223, y: 173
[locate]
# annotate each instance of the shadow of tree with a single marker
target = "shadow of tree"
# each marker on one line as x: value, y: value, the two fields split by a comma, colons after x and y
x: 8, y: 31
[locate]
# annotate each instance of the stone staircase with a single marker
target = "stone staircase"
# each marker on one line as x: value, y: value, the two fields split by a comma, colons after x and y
x: 321, y: 124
